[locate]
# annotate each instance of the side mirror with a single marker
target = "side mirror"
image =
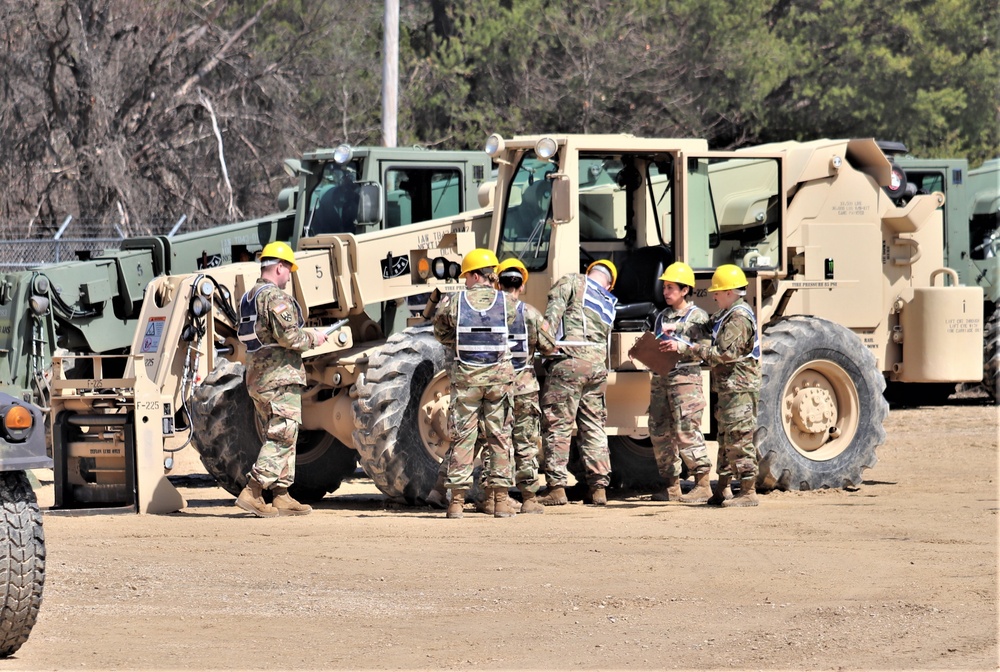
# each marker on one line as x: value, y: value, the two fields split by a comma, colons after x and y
x: 562, y: 202
x: 369, y: 203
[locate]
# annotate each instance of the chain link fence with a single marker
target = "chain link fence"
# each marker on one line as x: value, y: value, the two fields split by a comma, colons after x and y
x: 17, y: 255
x: 49, y: 245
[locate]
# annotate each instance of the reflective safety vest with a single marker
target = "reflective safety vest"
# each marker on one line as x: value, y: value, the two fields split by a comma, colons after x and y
x: 519, y: 339
x: 755, y: 352
x: 600, y: 301
x: 481, y: 335
x: 247, y: 329
x: 597, y: 300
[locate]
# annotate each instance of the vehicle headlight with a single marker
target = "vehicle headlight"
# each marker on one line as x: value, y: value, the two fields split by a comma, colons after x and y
x: 17, y: 422
x: 546, y: 148
x: 494, y: 144
x: 343, y: 153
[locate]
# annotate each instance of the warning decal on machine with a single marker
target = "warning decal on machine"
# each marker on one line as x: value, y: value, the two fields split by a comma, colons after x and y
x: 151, y: 338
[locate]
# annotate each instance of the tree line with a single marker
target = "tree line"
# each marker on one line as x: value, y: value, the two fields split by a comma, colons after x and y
x: 135, y: 112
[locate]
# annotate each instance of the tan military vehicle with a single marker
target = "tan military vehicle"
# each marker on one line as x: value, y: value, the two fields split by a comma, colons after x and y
x: 849, y: 290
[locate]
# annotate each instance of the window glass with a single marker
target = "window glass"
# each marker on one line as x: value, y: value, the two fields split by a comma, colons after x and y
x: 734, y: 212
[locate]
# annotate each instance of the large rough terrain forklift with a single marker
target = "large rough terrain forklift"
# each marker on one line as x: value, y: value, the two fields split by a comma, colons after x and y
x: 849, y: 288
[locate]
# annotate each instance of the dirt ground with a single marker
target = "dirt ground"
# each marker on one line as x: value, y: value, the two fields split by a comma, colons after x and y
x: 900, y: 573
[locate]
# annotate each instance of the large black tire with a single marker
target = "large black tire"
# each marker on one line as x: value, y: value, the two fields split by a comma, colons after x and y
x: 991, y: 354
x: 821, y: 410
x: 633, y: 465
x: 22, y: 561
x: 224, y: 432
x: 392, y: 418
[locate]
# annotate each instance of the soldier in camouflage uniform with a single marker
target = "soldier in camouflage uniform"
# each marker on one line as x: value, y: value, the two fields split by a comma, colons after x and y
x: 582, y: 310
x: 271, y: 327
x: 530, y: 333
x: 475, y: 322
x: 677, y: 400
x: 734, y: 356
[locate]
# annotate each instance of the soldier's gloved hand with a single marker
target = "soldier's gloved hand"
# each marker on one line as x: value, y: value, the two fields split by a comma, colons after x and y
x: 432, y: 301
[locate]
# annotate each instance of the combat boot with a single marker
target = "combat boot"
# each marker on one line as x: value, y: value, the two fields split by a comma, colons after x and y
x: 701, y: 492
x: 486, y: 505
x: 671, y: 493
x: 596, y: 496
x: 438, y: 496
x: 251, y: 500
x: 720, y: 493
x: 530, y: 502
x: 501, y: 502
x: 457, y: 504
x: 555, y: 497
x: 747, y: 496
x: 286, y: 505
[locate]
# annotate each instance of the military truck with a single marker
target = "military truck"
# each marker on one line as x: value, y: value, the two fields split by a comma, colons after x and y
x: 22, y: 540
x: 849, y: 289
x: 971, y: 234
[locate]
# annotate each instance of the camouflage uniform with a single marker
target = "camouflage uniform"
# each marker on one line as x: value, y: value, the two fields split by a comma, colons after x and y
x: 275, y: 377
x: 576, y: 380
x: 735, y: 360
x: 677, y: 400
x: 527, y: 412
x: 479, y: 392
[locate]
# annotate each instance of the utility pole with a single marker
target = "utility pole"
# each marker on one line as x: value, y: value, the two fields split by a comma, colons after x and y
x: 390, y: 73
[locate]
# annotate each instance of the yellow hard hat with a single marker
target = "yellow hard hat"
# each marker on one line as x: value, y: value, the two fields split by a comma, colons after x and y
x: 516, y: 264
x: 679, y: 273
x: 726, y: 277
x: 608, y: 265
x: 279, y: 250
x: 478, y: 259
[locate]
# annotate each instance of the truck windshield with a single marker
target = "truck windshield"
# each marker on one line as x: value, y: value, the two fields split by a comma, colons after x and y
x: 526, y: 225
x: 333, y: 205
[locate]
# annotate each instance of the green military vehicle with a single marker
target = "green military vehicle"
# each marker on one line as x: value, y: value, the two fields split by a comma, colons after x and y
x: 90, y: 306
x: 22, y: 542
x: 971, y: 239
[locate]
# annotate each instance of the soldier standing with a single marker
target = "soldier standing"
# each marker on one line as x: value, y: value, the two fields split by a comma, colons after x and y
x: 677, y: 400
x: 734, y: 356
x: 582, y: 310
x: 271, y: 327
x: 528, y: 333
x: 476, y: 322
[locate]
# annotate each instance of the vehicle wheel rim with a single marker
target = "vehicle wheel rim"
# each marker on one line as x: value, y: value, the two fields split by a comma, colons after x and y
x: 820, y: 410
x: 433, y: 413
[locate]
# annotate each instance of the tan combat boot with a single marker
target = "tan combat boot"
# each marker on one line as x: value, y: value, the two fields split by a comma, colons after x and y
x: 287, y: 505
x: 438, y: 496
x: 671, y: 493
x: 747, y: 496
x: 596, y: 496
x: 720, y: 493
x: 501, y: 502
x: 701, y: 492
x: 457, y: 504
x: 556, y: 497
x: 530, y: 502
x: 251, y: 500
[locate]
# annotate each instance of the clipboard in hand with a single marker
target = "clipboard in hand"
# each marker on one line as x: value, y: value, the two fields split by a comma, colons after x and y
x: 647, y: 351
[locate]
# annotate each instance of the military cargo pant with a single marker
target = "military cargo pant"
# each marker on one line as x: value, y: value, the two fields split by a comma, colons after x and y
x: 470, y: 405
x: 737, y: 418
x: 574, y: 395
x: 676, y: 404
x: 278, y: 414
x: 527, y: 440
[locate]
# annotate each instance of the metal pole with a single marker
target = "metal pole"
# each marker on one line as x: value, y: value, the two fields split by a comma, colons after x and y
x: 69, y: 218
x: 390, y: 73
x: 179, y: 224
